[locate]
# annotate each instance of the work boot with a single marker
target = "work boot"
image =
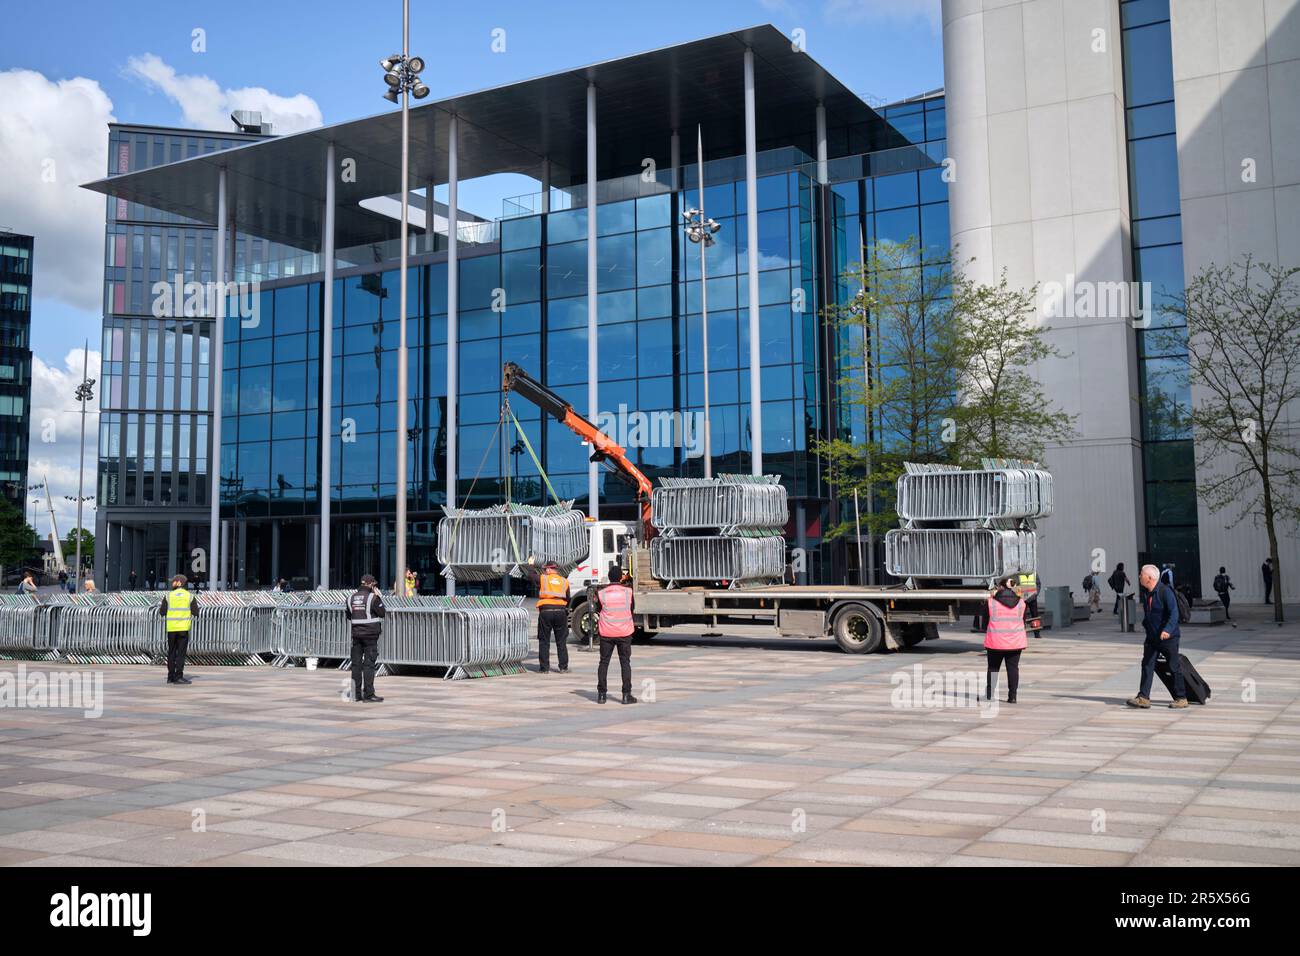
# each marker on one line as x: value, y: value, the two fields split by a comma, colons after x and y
x: 1178, y: 704
x: 629, y: 699
x: 564, y: 669
x: 184, y: 680
x: 372, y: 699
x: 600, y: 697
x: 1139, y: 702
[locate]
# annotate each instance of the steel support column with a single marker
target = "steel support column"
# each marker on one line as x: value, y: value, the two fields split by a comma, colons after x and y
x: 751, y: 224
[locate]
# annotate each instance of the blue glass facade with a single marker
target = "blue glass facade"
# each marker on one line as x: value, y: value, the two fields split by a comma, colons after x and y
x: 523, y: 298
x: 1168, y: 457
x: 16, y: 254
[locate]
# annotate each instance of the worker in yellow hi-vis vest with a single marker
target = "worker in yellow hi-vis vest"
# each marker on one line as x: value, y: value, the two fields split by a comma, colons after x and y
x: 552, y: 618
x: 1027, y: 588
x: 178, y: 609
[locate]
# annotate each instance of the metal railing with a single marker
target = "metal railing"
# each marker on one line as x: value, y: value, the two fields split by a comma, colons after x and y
x: 714, y: 559
x: 477, y: 545
x: 726, y: 504
x: 971, y: 553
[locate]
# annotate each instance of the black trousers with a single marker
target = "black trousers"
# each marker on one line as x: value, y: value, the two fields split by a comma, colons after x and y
x: 1013, y: 671
x: 552, y: 620
x: 365, y: 654
x: 177, y: 643
x: 607, y: 647
x: 1268, y: 590
x: 1226, y: 598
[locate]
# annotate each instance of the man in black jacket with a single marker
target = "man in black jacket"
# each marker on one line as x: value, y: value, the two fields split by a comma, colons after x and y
x: 1162, y: 635
x: 365, y: 611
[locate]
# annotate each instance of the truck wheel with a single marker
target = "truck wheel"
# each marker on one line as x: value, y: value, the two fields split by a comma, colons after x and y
x: 857, y: 629
x: 915, y: 633
x: 582, y: 625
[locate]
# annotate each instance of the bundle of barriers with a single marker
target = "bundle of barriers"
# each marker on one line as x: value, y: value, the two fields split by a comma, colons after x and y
x: 968, y: 524
x: 489, y: 543
x: 714, y: 530
x: 469, y: 636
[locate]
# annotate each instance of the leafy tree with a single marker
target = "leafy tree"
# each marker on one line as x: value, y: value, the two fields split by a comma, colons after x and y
x: 899, y: 326
x: 87, y: 546
x: 1242, y: 332
x: 15, y: 537
x: 1003, y: 411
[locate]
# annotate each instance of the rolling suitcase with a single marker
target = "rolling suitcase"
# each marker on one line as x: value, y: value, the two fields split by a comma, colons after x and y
x: 1198, y: 692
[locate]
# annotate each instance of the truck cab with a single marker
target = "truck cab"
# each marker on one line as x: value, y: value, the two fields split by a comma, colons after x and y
x: 608, y: 540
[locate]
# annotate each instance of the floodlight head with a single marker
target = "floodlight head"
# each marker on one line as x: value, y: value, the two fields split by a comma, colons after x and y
x: 416, y: 64
x: 392, y: 79
x: 419, y: 91
x: 386, y: 64
x: 391, y: 96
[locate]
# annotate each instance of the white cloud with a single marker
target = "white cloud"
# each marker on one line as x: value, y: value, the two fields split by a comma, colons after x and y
x: 206, y: 105
x: 55, y: 438
x: 53, y: 138
x: 860, y: 11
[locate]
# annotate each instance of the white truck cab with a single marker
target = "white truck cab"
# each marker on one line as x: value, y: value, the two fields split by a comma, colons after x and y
x: 608, y: 539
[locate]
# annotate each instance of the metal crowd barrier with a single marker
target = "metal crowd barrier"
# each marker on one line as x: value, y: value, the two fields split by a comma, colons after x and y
x: 479, y: 545
x: 980, y: 553
x: 463, y: 634
x: 954, y: 495
x: 716, y: 558
x: 728, y: 503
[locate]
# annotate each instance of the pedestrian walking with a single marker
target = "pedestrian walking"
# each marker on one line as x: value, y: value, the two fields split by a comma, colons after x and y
x: 1160, y: 622
x: 178, y: 609
x: 1266, y: 569
x: 616, y: 628
x: 1093, y: 592
x: 1119, y: 583
x: 63, y: 579
x: 1222, y: 585
x: 365, y: 610
x: 132, y: 579
x: 412, y: 583
x: 1005, y: 637
x: 552, y: 618
x: 152, y: 579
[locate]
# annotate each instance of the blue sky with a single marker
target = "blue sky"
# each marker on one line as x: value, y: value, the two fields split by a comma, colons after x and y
x: 66, y: 69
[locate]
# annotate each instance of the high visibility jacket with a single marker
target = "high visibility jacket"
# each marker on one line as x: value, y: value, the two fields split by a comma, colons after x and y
x: 1006, y: 630
x: 616, y: 611
x: 365, y: 610
x: 179, y: 615
x: 553, y: 591
x: 1027, y: 585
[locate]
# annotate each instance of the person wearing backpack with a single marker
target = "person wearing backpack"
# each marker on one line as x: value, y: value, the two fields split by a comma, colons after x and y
x: 1160, y: 622
x: 1093, y: 592
x: 1118, y: 581
x: 1222, y: 585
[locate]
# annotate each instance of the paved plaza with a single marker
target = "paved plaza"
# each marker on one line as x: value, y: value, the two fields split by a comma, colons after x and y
x: 746, y: 751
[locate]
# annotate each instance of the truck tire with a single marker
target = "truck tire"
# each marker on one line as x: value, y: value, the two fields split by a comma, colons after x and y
x: 582, y: 625
x: 857, y: 629
x: 916, y: 632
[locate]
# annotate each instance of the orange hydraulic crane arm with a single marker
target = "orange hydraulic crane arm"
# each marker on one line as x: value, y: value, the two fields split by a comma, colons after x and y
x: 604, y: 448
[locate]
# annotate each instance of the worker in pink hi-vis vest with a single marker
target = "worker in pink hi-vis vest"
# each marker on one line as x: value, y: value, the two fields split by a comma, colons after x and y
x: 1005, y: 637
x: 616, y: 627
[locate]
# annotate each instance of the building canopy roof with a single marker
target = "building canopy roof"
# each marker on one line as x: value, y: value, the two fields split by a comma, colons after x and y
x: 277, y: 186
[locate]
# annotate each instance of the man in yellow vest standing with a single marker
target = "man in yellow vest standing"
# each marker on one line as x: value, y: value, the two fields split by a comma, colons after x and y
x: 178, y: 610
x: 552, y: 618
x: 1027, y: 589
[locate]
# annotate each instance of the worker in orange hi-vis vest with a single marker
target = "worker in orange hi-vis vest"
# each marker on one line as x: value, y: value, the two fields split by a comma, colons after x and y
x: 552, y: 618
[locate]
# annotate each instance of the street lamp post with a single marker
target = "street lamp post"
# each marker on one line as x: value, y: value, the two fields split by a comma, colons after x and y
x: 701, y: 231
x: 402, y: 74
x: 85, y: 393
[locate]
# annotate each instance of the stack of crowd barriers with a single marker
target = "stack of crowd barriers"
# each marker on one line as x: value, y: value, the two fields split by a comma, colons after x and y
x: 975, y: 524
x: 719, y: 530
x: 489, y: 543
x: 469, y: 636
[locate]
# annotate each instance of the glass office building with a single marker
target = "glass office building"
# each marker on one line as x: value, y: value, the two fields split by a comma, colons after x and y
x: 15, y: 364
x: 827, y: 169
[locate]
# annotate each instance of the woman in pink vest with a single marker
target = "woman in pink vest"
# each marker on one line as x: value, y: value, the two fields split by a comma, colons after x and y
x: 1005, y: 637
x: 616, y: 627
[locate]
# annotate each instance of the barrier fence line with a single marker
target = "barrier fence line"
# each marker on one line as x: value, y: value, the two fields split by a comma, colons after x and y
x: 490, y: 543
x: 467, y: 635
